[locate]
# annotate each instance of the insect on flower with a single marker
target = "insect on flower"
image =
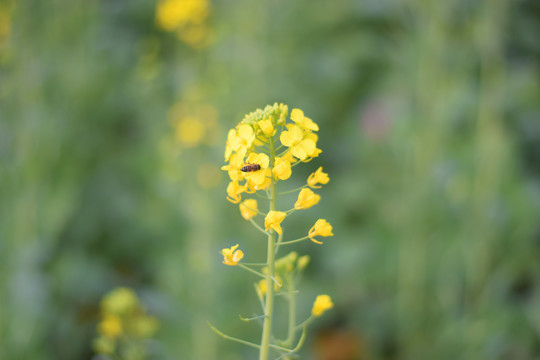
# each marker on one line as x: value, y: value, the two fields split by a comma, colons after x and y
x: 250, y: 167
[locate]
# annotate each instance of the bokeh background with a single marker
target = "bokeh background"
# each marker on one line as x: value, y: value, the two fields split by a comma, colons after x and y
x: 114, y: 117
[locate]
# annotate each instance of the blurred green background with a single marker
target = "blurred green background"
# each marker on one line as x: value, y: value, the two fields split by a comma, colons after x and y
x: 114, y: 117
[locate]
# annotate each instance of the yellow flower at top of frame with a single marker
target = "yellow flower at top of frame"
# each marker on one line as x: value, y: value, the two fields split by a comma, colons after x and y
x: 257, y: 177
x: 306, y: 199
x: 248, y: 209
x: 321, y: 304
x: 298, y: 117
x: 282, y: 169
x: 321, y: 228
x: 299, y: 146
x: 318, y: 177
x: 267, y: 127
x: 111, y: 326
x: 232, y: 256
x: 273, y: 221
x: 171, y: 14
x: 234, y: 189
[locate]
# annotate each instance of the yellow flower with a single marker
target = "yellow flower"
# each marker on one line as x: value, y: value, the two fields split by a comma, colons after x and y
x: 258, y: 177
x: 190, y: 131
x: 303, y: 262
x: 298, y: 117
x: 306, y: 199
x: 234, y: 190
x: 248, y: 209
x: 318, y: 177
x: 267, y: 181
x: 119, y: 301
x: 171, y: 14
x: 239, y: 140
x: 321, y: 304
x: 232, y: 257
x: 273, y: 220
x: 321, y: 228
x: 233, y: 168
x: 110, y: 326
x: 145, y: 326
x: 299, y: 146
x: 282, y: 169
x: 267, y: 127
x: 261, y: 285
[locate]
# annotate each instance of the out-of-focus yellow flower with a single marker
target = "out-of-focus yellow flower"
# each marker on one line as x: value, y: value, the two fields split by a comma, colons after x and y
x: 145, y: 326
x: 208, y: 176
x: 232, y: 257
x: 306, y: 199
x: 318, y: 177
x: 304, y: 122
x: 190, y: 131
x: 277, y: 284
x: 273, y: 220
x: 5, y: 24
x: 104, y: 345
x: 299, y: 146
x: 282, y: 169
x: 172, y: 14
x: 321, y: 228
x: 234, y: 190
x: 110, y: 326
x: 321, y: 304
x: 286, y: 263
x: 258, y: 177
x: 267, y: 127
x: 120, y: 301
x: 303, y: 262
x: 248, y: 209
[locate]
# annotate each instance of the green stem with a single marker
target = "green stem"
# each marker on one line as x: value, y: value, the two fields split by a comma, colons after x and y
x: 252, y: 271
x: 269, y: 304
x: 292, y: 314
x: 294, y: 241
x: 258, y: 227
x: 293, y: 190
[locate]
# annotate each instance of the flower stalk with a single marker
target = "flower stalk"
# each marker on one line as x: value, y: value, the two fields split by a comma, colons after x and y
x: 254, y: 172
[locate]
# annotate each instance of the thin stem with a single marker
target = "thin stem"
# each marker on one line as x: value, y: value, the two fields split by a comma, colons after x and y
x: 255, y: 264
x: 269, y: 304
x: 258, y: 227
x: 294, y: 241
x: 259, y: 195
x: 251, y: 319
x: 294, y: 190
x: 292, y: 314
x: 252, y: 271
x: 252, y: 209
x: 233, y: 338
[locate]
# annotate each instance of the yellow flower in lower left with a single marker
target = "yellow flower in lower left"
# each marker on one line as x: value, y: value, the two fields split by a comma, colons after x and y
x: 110, y: 326
x: 232, y: 256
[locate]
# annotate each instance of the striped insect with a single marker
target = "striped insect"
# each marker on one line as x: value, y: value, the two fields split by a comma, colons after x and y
x: 250, y: 167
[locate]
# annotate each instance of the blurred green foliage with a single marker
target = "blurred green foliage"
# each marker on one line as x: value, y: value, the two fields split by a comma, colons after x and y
x: 429, y: 129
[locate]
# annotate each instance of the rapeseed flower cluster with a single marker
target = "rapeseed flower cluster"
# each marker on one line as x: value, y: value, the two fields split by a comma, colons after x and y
x: 188, y: 18
x: 124, y: 326
x: 260, y: 153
